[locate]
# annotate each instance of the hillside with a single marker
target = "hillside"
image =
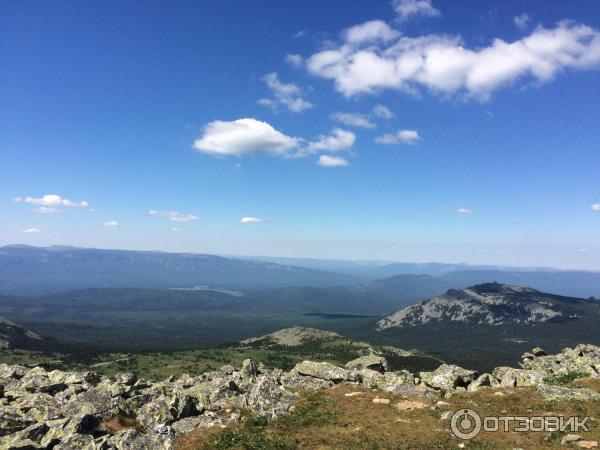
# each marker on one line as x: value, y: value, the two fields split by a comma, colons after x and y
x: 14, y: 336
x: 360, y: 404
x: 26, y: 270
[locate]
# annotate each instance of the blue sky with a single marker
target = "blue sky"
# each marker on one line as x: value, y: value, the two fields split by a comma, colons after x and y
x: 410, y: 130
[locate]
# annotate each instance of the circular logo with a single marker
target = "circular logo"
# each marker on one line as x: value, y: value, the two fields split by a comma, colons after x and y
x: 465, y: 424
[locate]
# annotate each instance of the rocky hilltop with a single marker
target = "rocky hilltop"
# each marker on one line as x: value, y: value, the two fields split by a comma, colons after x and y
x: 492, y: 304
x: 79, y: 410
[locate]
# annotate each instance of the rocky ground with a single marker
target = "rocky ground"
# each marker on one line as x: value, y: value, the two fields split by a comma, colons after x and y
x: 82, y: 410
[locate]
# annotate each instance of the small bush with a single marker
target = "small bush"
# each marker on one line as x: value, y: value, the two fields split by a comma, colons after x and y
x: 566, y: 379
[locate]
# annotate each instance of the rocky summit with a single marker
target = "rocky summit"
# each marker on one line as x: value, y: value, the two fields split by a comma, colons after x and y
x: 491, y: 304
x: 82, y: 410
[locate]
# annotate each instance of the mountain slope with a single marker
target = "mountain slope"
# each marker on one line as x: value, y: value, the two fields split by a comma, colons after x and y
x: 15, y: 336
x: 492, y: 304
x: 26, y: 270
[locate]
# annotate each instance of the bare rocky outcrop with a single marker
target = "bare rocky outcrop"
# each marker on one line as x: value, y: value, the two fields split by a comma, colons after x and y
x: 68, y: 410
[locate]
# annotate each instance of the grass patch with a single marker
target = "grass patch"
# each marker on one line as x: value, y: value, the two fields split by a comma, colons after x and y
x: 566, y: 380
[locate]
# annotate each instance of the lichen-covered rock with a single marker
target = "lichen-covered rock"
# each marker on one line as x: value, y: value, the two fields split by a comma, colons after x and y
x: 583, y: 358
x: 448, y: 377
x: 485, y: 380
x: 372, y: 362
x: 294, y: 382
x: 268, y: 397
x: 322, y: 370
x: 551, y: 392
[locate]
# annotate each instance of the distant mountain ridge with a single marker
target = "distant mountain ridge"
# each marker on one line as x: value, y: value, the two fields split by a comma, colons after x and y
x: 26, y: 270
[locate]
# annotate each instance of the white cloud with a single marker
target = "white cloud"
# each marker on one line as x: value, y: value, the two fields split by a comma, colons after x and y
x: 372, y: 31
x: 244, y: 137
x: 252, y: 137
x: 110, y: 224
x: 596, y: 207
x: 382, y: 112
x: 338, y: 140
x: 294, y: 59
x: 299, y: 34
x: 521, y: 21
x: 173, y: 216
x: 353, y: 119
x: 332, y: 161
x: 175, y: 230
x: 250, y: 220
x: 31, y: 231
x: 47, y: 210
x: 399, y: 137
x: 52, y: 201
x: 464, y: 211
x: 286, y: 94
x: 444, y: 65
x: 406, y: 9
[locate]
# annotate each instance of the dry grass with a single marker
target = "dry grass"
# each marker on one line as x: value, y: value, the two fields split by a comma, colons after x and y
x: 116, y: 424
x: 330, y: 419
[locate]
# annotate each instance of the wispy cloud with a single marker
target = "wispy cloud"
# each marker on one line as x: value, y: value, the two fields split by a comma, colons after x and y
x: 406, y: 9
x: 294, y: 60
x: 353, y: 119
x: 51, y: 201
x: 382, y: 112
x: 400, y: 137
x: 331, y: 161
x: 250, y: 220
x: 173, y: 216
x: 111, y: 224
x: 464, y: 211
x: 522, y: 21
x: 31, y: 231
x: 287, y: 95
x: 596, y: 207
x: 47, y: 210
x: 336, y: 141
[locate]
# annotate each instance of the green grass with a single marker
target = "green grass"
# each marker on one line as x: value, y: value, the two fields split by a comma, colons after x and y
x: 567, y: 379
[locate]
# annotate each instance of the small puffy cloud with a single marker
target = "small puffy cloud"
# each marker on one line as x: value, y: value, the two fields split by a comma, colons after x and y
x: 111, y: 224
x: 399, y: 137
x: 446, y: 66
x: 294, y: 60
x: 47, y: 210
x: 287, y: 95
x: 406, y: 9
x: 372, y: 31
x: 521, y: 21
x: 337, y: 140
x: 464, y: 211
x: 299, y: 34
x: 31, y: 231
x: 382, y: 112
x: 244, y: 137
x: 173, y: 216
x: 331, y: 161
x: 51, y: 200
x: 250, y: 220
x: 353, y: 119
x: 596, y: 207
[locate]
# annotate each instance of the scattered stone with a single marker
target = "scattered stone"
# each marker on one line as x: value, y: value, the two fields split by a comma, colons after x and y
x: 587, y: 444
x: 409, y: 405
x: 448, y: 377
x: 570, y: 438
x: 551, y: 392
x: 352, y: 394
x: 382, y: 401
